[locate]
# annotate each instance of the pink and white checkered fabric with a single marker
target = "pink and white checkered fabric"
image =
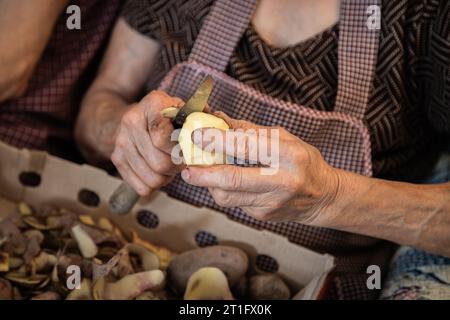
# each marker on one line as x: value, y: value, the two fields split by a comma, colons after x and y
x: 358, y: 49
x: 43, y: 118
x: 341, y: 135
x: 216, y: 51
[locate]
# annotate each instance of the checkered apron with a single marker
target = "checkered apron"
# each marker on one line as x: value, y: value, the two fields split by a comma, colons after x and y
x: 341, y: 135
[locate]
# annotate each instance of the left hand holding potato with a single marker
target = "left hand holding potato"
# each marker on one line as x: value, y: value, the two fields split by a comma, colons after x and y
x: 301, y: 185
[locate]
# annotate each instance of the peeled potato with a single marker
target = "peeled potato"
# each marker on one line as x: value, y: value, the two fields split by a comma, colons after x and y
x: 208, y: 284
x: 194, y: 155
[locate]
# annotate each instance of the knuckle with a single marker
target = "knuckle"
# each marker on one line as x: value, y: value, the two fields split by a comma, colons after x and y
x: 139, y: 166
x: 143, y: 190
x: 159, y: 99
x: 116, y: 158
x: 152, y: 97
x: 120, y: 143
x: 295, y: 183
x: 131, y: 119
x: 163, y: 167
x: 256, y: 213
x: 277, y: 204
x: 244, y: 124
x: 222, y: 198
x: 234, y: 178
x: 301, y: 156
x: 158, y: 140
x: 156, y: 182
x: 222, y: 203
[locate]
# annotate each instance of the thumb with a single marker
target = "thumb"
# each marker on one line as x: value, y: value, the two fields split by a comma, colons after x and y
x: 236, y: 124
x: 240, y: 143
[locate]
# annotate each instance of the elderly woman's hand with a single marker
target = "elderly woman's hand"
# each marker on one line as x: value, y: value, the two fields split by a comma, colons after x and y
x: 143, y: 145
x: 298, y: 186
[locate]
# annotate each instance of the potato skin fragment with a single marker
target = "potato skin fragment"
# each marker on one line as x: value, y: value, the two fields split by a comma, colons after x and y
x: 25, y: 209
x: 4, y: 262
x: 169, y: 112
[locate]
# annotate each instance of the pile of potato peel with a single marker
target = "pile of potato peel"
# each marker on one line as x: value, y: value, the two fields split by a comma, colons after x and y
x: 39, y: 246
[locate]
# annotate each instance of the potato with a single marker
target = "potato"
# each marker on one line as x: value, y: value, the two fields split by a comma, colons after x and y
x: 194, y: 155
x: 233, y: 262
x: 130, y: 286
x: 268, y: 287
x: 208, y: 284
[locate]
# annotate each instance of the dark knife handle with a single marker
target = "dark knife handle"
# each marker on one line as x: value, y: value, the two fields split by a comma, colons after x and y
x: 179, y: 119
x: 123, y: 199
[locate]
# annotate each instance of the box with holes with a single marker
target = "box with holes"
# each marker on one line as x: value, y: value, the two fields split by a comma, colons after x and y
x: 40, y: 179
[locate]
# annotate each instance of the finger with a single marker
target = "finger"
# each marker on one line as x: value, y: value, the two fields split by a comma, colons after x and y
x: 158, y: 100
x: 254, y: 145
x: 245, y: 125
x: 237, y: 144
x: 128, y: 175
x: 231, y: 199
x: 160, y: 131
x: 261, y: 213
x: 269, y: 214
x: 229, y: 177
x: 158, y: 161
x: 234, y: 123
x: 159, y: 127
x: 142, y: 170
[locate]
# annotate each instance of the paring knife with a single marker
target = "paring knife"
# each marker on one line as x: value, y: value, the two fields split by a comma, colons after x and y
x: 124, y: 197
x: 196, y: 103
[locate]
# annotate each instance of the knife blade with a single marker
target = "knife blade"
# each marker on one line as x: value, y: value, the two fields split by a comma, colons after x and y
x: 196, y: 103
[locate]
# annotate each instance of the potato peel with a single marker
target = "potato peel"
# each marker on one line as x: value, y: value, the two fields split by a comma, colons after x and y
x: 87, y: 246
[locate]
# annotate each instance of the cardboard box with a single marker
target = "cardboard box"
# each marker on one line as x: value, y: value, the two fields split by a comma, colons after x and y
x: 50, y: 180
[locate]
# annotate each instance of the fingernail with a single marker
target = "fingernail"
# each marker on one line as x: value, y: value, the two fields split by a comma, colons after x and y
x: 185, y: 174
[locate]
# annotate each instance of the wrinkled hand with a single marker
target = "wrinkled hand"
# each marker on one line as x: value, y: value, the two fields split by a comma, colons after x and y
x: 143, y: 145
x: 302, y: 187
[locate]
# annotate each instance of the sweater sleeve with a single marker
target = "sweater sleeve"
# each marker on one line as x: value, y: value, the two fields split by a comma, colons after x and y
x: 439, y: 53
x: 142, y: 15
